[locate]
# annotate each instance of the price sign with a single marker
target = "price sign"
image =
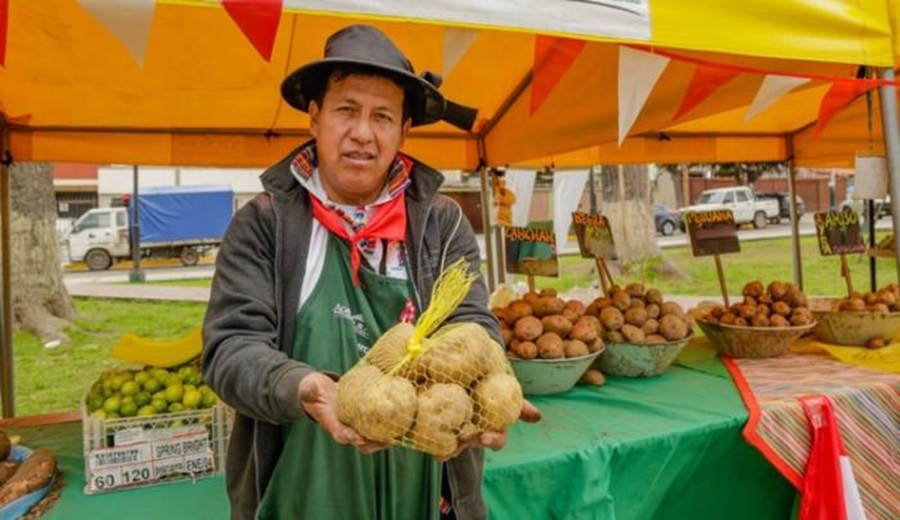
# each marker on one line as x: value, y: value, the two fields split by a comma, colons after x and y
x: 838, y: 233
x: 146, y: 461
x: 595, y: 239
x: 712, y: 232
x: 531, y: 251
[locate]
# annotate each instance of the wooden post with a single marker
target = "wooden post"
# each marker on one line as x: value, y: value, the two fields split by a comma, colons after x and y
x: 609, y: 277
x: 722, y: 280
x: 7, y: 374
x: 531, y: 283
x: 845, y: 272
x: 602, y: 274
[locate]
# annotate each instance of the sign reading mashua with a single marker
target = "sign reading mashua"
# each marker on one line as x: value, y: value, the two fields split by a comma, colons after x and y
x: 595, y: 239
x: 531, y: 251
x: 838, y: 233
x: 712, y: 232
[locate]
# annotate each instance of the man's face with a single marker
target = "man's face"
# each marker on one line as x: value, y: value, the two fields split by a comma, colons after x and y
x: 358, y: 129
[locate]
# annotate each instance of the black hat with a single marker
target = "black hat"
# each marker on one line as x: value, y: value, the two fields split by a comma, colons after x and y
x: 366, y: 46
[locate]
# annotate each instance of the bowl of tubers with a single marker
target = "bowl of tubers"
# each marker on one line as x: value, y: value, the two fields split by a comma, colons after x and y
x: 762, y: 325
x: 551, y: 376
x: 870, y: 319
x: 643, y: 333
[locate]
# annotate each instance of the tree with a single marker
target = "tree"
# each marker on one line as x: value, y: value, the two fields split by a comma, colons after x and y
x: 41, y: 302
x: 625, y: 195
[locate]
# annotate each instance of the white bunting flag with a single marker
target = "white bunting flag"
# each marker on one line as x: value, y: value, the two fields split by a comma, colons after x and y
x: 521, y: 183
x: 773, y: 88
x: 456, y: 42
x: 128, y: 20
x: 638, y: 73
x: 568, y: 186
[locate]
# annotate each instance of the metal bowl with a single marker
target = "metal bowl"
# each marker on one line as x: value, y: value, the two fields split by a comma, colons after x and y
x: 637, y: 360
x: 751, y: 342
x: 853, y: 328
x: 551, y: 376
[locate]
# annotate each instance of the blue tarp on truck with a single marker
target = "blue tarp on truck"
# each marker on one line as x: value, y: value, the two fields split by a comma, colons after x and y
x: 184, y: 213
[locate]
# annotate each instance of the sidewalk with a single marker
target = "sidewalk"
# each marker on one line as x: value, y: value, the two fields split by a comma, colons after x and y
x: 138, y: 291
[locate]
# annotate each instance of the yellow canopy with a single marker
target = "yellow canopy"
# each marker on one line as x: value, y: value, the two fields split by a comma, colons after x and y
x: 72, y: 91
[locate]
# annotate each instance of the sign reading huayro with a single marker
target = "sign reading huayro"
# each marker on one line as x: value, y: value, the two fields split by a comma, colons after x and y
x: 712, y: 232
x: 595, y: 239
x: 531, y: 251
x: 838, y: 233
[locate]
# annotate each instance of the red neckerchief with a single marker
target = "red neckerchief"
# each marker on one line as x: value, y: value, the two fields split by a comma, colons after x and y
x: 388, y: 222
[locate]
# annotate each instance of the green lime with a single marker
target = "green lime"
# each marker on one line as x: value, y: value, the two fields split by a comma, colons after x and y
x: 159, y: 374
x: 174, y: 393
x: 108, y: 387
x: 189, y: 388
x: 172, y: 380
x: 145, y: 411
x: 194, y: 378
x: 130, y: 388
x: 116, y: 382
x: 159, y: 395
x: 209, y: 400
x: 128, y: 409
x: 127, y: 375
x: 127, y: 399
x: 142, y: 398
x: 204, y: 389
x: 192, y: 399
x: 152, y: 385
x: 160, y: 404
x: 100, y: 414
x: 95, y: 401
x: 112, y: 404
x: 176, y: 407
x: 141, y: 377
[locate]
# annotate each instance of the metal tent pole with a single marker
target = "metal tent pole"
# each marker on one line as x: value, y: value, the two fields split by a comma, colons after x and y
x: 136, y: 275
x: 891, y: 129
x: 795, y: 221
x: 7, y: 374
x: 486, y: 229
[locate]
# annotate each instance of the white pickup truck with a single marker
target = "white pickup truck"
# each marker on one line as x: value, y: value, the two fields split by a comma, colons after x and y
x: 742, y: 203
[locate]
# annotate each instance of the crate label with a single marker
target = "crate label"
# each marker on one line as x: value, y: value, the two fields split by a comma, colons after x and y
x: 129, y: 436
x: 147, y: 461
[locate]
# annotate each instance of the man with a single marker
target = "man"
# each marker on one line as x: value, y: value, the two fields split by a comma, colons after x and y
x: 348, y: 237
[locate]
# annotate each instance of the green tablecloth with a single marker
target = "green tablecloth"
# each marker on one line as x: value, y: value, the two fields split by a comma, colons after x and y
x: 662, y: 448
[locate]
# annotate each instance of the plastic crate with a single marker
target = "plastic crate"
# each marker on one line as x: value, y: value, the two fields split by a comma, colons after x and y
x: 134, y: 452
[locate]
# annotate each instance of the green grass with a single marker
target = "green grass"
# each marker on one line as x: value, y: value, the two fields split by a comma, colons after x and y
x: 763, y: 260
x: 49, y: 380
x: 189, y: 282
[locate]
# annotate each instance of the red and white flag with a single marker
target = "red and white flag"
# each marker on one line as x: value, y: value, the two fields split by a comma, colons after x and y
x: 829, y: 489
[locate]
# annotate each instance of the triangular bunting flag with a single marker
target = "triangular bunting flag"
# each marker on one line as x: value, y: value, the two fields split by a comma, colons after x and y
x: 552, y: 58
x: 705, y: 81
x: 128, y: 20
x: 638, y: 73
x: 773, y: 88
x: 258, y: 20
x: 456, y: 42
x: 838, y: 96
x: 4, y: 25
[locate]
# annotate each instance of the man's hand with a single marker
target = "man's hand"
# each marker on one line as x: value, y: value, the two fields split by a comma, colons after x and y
x: 495, y: 440
x: 318, y: 396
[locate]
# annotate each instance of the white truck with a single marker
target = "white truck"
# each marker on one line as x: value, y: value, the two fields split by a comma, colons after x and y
x: 746, y: 207
x: 175, y: 221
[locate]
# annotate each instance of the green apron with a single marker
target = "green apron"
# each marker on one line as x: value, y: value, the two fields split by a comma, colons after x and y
x: 315, y: 477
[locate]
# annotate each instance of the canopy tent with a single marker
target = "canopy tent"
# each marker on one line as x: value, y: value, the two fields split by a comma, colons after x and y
x: 195, y: 82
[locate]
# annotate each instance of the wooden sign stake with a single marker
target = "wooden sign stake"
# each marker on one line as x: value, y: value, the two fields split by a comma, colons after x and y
x: 845, y: 272
x: 722, y: 280
x: 609, y: 277
x: 531, y: 283
x: 602, y: 274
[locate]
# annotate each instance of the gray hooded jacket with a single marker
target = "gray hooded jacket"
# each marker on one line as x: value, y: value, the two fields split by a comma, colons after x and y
x: 249, y: 326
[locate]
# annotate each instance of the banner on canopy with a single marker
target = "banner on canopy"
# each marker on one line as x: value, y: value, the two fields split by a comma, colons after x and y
x: 628, y: 19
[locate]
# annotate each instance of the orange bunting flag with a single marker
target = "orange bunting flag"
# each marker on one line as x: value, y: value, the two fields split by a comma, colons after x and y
x: 838, y: 96
x: 704, y: 82
x: 4, y: 25
x: 258, y: 20
x: 552, y: 58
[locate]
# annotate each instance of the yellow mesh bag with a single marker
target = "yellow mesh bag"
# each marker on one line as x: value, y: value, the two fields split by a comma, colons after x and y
x: 429, y: 386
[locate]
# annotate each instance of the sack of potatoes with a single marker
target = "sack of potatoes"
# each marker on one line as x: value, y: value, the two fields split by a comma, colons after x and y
x: 781, y: 304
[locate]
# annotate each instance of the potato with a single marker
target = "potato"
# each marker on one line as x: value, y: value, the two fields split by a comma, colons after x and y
x: 728, y: 319
x: 652, y: 310
x: 776, y: 290
x: 650, y: 326
x: 870, y: 299
x: 671, y: 308
x: 391, y: 347
x: 386, y: 409
x: 586, y: 329
x: 575, y: 305
x: 636, y: 303
x: 763, y: 309
x: 886, y: 297
x: 777, y: 320
x: 530, y: 297
x: 443, y: 408
x: 852, y: 304
x: 574, y: 348
x: 548, y: 292
x: 547, y: 306
x: 614, y: 336
x: 740, y: 322
x: 550, y: 346
x: 355, y: 381
x: 795, y: 297
x: 636, y: 316
x: 748, y: 311
x: 570, y: 314
x: 655, y: 339
x: 518, y: 310
x: 759, y: 320
x: 593, y: 309
x: 654, y: 297
x: 593, y: 377
x: 437, y: 444
x: 621, y: 300
x: 612, y: 318
x: 501, y: 314
x: 880, y: 308
x: 596, y: 346
x: 672, y: 327
x: 754, y: 289
x: 750, y: 300
x: 875, y: 343
x: 455, y: 353
x: 764, y: 298
x: 635, y: 290
x: 556, y: 324
x: 525, y: 350
x: 507, y: 334
x: 528, y: 328
x: 632, y: 334
x: 781, y: 308
x: 493, y: 359
x: 498, y: 402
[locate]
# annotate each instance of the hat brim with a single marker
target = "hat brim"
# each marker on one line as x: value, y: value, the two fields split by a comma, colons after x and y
x: 427, y: 103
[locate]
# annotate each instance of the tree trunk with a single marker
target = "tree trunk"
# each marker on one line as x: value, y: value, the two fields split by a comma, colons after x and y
x: 41, y: 302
